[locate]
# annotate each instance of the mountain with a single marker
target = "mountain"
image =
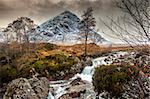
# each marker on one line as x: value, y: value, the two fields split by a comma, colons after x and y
x: 63, y: 28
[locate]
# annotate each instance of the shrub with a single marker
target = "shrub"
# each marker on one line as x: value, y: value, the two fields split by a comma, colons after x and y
x: 52, y: 63
x: 7, y: 73
x: 112, y: 78
x: 22, y: 66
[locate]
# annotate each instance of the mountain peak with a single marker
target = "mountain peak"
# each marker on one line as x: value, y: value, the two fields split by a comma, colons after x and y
x: 67, y: 15
x: 62, y: 28
x: 67, y: 12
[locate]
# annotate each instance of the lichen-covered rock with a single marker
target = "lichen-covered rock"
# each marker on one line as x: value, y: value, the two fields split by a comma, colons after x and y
x: 22, y: 88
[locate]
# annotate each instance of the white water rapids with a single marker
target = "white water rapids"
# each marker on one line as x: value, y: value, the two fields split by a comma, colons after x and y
x: 86, y: 75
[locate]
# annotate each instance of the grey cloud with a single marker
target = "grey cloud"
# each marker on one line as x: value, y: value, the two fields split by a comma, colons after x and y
x: 4, y: 6
x: 41, y: 10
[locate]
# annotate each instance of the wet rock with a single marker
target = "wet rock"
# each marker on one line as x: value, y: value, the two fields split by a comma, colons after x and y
x: 77, y: 88
x: 65, y: 96
x: 22, y: 88
x: 88, y: 62
x: 77, y: 81
x: 75, y: 91
x: 74, y: 95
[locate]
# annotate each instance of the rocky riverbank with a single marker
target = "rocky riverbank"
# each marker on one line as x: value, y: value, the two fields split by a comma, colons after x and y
x: 76, y: 85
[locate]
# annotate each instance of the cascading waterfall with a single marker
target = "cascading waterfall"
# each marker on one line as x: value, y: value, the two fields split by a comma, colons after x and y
x: 86, y: 74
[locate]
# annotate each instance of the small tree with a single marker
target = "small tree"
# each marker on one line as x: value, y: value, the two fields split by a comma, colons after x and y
x: 87, y: 26
x: 18, y: 31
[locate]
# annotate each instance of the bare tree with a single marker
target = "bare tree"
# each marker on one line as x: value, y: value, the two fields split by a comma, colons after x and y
x: 87, y: 26
x: 22, y: 26
x: 18, y: 31
x: 133, y: 26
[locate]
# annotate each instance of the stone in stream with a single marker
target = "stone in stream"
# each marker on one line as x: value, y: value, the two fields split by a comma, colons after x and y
x: 88, y: 62
x: 22, y: 88
x: 77, y: 81
x: 78, y: 89
x: 74, y: 92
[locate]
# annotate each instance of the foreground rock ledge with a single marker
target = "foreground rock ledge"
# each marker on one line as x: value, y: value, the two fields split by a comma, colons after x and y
x: 22, y: 88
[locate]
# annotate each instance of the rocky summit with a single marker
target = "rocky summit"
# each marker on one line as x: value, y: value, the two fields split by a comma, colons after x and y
x: 63, y: 28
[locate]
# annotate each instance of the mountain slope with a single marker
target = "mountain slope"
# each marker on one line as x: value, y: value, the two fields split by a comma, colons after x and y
x: 63, y: 28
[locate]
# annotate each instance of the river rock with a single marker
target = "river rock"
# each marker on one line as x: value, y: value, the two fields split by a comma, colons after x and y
x: 65, y: 96
x: 22, y: 88
x: 74, y: 92
x: 77, y: 81
x: 77, y: 90
x: 88, y: 61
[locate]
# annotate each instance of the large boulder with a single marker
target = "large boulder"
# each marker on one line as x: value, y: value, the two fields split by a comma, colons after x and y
x: 22, y: 88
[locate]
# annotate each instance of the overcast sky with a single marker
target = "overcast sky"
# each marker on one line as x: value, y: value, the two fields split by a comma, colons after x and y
x: 42, y: 10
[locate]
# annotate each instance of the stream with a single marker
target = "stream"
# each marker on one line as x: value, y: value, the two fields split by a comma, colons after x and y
x: 86, y: 75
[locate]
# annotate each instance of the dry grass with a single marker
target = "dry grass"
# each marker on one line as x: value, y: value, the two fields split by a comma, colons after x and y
x: 78, y: 49
x: 75, y: 50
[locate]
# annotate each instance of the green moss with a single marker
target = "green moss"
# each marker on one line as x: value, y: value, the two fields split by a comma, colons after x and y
x: 53, y: 63
x: 38, y: 64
